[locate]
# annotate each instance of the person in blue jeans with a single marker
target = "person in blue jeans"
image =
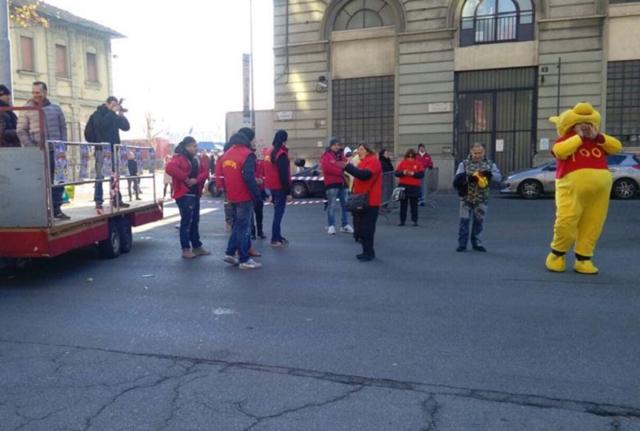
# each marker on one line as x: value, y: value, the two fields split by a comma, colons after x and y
x: 189, y: 174
x: 333, y: 163
x: 238, y: 166
x: 278, y: 181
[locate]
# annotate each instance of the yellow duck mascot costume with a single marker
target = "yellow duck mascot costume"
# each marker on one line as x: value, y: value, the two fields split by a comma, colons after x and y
x: 583, y: 186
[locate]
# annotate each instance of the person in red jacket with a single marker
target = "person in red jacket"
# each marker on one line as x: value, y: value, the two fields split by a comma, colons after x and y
x: 278, y: 182
x: 427, y: 163
x: 241, y: 190
x: 410, y: 173
x: 333, y: 163
x: 188, y: 174
x: 367, y: 180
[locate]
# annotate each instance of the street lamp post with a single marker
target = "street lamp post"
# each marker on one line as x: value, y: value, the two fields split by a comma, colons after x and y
x: 253, y: 109
x: 5, y: 45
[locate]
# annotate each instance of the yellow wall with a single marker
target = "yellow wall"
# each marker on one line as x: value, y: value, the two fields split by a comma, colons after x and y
x: 77, y: 97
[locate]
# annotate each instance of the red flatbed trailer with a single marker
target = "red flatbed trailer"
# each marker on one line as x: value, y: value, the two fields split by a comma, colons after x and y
x: 28, y: 228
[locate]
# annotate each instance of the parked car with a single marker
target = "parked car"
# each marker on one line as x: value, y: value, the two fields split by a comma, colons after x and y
x: 536, y: 182
x: 307, y: 182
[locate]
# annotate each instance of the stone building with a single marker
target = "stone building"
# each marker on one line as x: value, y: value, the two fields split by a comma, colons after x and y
x: 72, y: 55
x: 448, y: 73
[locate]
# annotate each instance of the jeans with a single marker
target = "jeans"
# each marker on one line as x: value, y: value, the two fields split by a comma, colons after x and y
x: 136, y: 187
x: 240, y: 240
x: 333, y: 195
x: 365, y: 222
x: 474, y: 215
x: 56, y: 191
x: 279, y: 205
x: 189, y: 206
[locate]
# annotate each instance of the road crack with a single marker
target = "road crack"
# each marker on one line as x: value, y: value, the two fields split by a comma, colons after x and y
x: 430, y: 409
x: 257, y: 420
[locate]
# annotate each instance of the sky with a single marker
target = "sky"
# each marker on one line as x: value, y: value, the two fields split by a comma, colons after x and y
x: 181, y: 61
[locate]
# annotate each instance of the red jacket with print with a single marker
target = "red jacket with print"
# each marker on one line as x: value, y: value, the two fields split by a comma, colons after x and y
x: 179, y: 168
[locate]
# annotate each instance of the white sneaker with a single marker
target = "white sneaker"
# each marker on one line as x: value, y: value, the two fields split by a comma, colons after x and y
x: 331, y: 230
x: 347, y: 229
x: 250, y: 264
x: 231, y: 260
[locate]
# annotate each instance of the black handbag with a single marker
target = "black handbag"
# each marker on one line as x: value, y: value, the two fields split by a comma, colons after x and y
x: 358, y: 202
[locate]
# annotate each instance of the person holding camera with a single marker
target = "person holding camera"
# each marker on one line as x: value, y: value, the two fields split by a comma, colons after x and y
x: 472, y: 181
x: 367, y: 186
x: 104, y: 126
x: 410, y: 173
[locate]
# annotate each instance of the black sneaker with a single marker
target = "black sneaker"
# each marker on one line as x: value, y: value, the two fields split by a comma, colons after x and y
x: 124, y: 205
x: 365, y: 258
x: 479, y: 248
x: 461, y: 249
x: 415, y: 224
x: 400, y: 224
x: 262, y: 235
x: 61, y: 216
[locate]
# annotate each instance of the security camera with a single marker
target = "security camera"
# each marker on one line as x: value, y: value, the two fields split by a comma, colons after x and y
x: 322, y: 85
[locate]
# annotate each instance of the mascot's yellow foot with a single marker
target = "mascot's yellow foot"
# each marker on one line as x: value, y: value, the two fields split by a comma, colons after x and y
x: 556, y: 263
x: 585, y: 267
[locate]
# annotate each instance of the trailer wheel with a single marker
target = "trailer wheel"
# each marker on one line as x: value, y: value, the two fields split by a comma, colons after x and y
x: 126, y: 236
x: 110, y: 247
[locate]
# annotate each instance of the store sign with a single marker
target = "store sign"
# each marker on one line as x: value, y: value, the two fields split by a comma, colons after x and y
x: 285, y: 115
x: 440, y: 107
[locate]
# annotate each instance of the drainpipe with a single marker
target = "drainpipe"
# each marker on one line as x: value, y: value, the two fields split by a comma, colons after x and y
x: 5, y: 45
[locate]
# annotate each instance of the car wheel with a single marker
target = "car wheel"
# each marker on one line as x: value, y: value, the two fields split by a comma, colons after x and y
x: 625, y: 188
x: 530, y: 189
x: 126, y: 236
x: 299, y: 190
x: 110, y: 247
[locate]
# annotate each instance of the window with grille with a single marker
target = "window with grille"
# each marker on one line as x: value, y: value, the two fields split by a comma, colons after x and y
x: 492, y: 21
x: 92, y: 67
x: 363, y: 110
x: 623, y: 101
x: 26, y: 53
x: 62, y: 68
x: 358, y: 14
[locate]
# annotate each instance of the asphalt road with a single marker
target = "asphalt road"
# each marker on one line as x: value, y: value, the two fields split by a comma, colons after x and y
x: 424, y: 338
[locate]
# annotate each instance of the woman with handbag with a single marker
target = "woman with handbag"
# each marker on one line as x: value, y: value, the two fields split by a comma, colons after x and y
x: 410, y: 173
x: 366, y: 198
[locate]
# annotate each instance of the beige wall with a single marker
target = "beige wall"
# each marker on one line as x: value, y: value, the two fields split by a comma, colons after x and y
x: 624, y: 38
x: 496, y: 56
x: 77, y: 97
x: 363, y: 58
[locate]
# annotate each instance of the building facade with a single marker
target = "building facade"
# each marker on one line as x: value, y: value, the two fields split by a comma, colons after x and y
x: 72, y: 55
x: 448, y: 73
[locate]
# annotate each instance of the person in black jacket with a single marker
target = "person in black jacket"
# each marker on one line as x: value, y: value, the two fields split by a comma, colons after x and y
x: 107, y: 122
x: 8, y: 121
x: 132, y: 166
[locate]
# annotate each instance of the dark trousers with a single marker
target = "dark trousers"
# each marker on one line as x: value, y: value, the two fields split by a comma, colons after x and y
x: 240, y: 240
x: 279, y: 205
x: 56, y: 191
x: 136, y: 187
x: 404, y: 203
x: 189, y: 206
x: 259, y: 218
x: 365, y: 229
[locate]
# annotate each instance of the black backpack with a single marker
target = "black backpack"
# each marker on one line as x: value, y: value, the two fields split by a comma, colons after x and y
x: 91, y: 130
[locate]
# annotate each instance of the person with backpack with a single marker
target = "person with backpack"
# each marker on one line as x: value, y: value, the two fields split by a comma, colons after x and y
x: 8, y: 120
x: 189, y: 173
x: 104, y: 126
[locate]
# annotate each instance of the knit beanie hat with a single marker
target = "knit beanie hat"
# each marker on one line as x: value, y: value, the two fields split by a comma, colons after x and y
x: 4, y: 90
x: 248, y: 132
